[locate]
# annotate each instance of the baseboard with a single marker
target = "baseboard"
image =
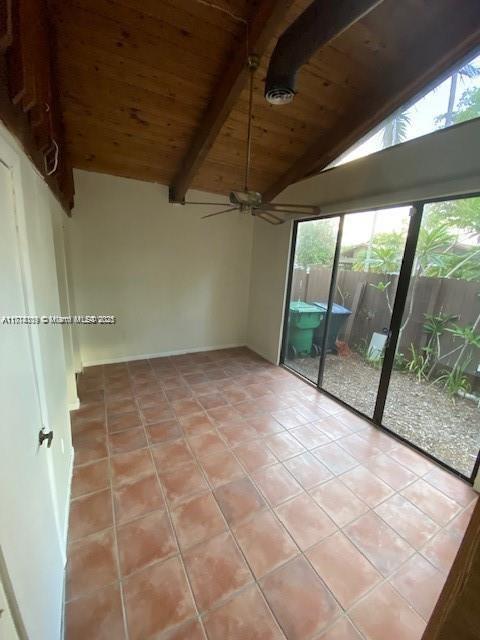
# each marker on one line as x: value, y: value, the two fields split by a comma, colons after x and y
x: 74, y: 405
x: 162, y: 354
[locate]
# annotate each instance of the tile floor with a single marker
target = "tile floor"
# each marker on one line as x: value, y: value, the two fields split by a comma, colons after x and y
x: 217, y: 496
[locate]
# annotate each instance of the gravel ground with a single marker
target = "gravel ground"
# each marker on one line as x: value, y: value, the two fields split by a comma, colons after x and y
x: 420, y: 412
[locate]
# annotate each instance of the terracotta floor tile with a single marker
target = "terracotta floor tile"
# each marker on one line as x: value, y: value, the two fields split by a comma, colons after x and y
x: 237, y: 433
x: 171, y: 455
x: 334, y: 559
x: 407, y: 520
x: 254, y: 455
x: 124, y: 421
x: 284, y: 446
x: 366, y: 485
x: 98, y: 616
x: 453, y: 487
x: 210, y: 401
x: 191, y: 630
x: 183, y: 483
x: 390, y: 471
x: 207, y: 444
x: 90, y: 478
x: 358, y: 448
x: 234, y: 394
x: 222, y: 468
x: 299, y: 600
x: 223, y: 415
x: 151, y: 400
x: 91, y: 564
x: 239, y: 500
x: 385, y: 614
x: 160, y: 411
x: 88, y: 429
x: 339, y: 502
x: 245, y: 616
x: 276, y: 484
x: 335, y: 458
x: 196, y: 423
x: 164, y: 431
x: 289, y: 418
x: 343, y: 629
x: 265, y: 543
x: 179, y: 393
x: 307, y: 470
x: 89, y: 449
x: 379, y: 543
x: 412, y: 460
x: 266, y: 426
x: 306, y: 522
x: 354, y: 422
x: 186, y: 407
x: 157, y: 598
x: 420, y: 584
x: 116, y: 407
x: 134, y: 465
x: 216, y: 569
x: 378, y: 438
x: 144, y: 541
x: 442, y: 549
x: 459, y: 524
x: 137, y: 498
x: 310, y: 436
x: 197, y: 519
x: 129, y: 440
x: 90, y: 514
x: 431, y: 501
x: 333, y: 427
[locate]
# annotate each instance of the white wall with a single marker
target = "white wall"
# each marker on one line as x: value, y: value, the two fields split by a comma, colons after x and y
x: 175, y: 282
x: 267, y: 288
x: 442, y: 164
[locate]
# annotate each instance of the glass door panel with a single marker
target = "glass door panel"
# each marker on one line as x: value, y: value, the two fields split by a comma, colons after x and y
x: 434, y: 393
x: 370, y: 257
x: 310, y: 279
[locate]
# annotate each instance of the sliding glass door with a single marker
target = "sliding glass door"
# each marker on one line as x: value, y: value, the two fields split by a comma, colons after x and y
x: 433, y: 396
x: 384, y: 314
x: 312, y: 272
x: 370, y: 256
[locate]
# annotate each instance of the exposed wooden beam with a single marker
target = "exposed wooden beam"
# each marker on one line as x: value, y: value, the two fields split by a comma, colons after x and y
x: 436, y: 53
x: 262, y: 26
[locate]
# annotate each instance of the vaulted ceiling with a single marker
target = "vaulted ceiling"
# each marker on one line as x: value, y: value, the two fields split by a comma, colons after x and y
x: 152, y: 89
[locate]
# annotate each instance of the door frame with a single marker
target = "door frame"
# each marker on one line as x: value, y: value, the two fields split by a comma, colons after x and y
x: 401, y: 293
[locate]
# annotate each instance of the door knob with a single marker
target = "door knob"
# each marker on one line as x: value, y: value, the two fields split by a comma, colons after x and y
x: 45, y: 435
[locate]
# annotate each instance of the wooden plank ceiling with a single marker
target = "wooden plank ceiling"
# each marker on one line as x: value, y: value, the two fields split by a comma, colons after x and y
x: 136, y: 78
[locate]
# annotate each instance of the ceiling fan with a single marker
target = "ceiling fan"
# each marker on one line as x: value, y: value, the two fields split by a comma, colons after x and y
x: 250, y: 202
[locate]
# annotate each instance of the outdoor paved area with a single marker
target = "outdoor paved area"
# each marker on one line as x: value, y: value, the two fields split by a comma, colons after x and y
x: 217, y: 496
x: 418, y: 411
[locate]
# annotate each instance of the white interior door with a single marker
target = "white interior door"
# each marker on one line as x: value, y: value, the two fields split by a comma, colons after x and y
x: 29, y: 537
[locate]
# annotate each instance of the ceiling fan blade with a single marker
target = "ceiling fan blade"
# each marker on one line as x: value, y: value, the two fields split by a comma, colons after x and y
x: 305, y: 209
x: 268, y: 216
x: 209, y: 204
x: 287, y: 212
x: 217, y: 213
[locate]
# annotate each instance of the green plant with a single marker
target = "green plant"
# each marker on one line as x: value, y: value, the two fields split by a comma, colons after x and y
x: 454, y: 381
x: 418, y: 363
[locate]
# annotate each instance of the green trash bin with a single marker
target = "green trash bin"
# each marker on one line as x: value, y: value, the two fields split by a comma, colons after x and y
x: 303, y: 319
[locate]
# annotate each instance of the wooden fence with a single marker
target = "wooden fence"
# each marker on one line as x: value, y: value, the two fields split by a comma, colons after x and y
x: 359, y: 292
